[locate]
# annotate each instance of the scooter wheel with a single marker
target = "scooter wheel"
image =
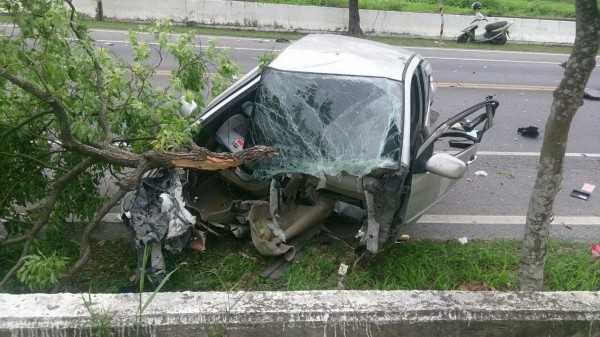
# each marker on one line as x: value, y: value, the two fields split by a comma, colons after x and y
x: 462, y: 38
x: 500, y: 40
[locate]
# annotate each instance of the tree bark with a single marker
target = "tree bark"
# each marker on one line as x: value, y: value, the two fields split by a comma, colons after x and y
x: 99, y: 11
x: 354, y: 19
x: 568, y: 97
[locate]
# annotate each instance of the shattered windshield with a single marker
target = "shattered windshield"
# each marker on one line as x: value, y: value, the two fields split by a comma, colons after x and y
x: 328, y: 124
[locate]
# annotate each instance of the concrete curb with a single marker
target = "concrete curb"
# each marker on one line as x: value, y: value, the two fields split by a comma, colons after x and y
x: 312, y: 313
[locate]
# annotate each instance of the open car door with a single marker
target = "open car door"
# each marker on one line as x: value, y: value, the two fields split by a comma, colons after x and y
x: 433, y: 171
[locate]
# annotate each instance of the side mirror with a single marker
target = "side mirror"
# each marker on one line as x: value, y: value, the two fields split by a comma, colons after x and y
x: 446, y: 166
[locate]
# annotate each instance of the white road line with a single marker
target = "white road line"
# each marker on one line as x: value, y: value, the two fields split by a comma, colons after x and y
x: 219, y: 37
x: 195, y: 46
x: 489, y: 60
x: 506, y: 220
x: 535, y: 154
x: 488, y: 51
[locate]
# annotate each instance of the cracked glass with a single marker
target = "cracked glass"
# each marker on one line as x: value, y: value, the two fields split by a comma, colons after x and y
x: 327, y: 124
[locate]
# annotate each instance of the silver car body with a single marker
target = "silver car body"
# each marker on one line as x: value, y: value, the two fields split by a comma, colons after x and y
x: 353, y: 121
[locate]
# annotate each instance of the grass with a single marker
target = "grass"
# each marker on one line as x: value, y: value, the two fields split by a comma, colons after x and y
x: 232, y: 264
x: 557, y: 9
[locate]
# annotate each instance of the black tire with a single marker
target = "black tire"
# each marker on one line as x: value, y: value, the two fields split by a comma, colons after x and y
x: 462, y: 38
x: 500, y: 39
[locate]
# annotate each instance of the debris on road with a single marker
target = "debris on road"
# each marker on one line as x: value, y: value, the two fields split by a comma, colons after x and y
x: 529, y: 131
x: 566, y: 226
x: 584, y: 193
x: 343, y: 269
x: 596, y: 251
x: 463, y: 240
x: 481, y: 174
x: 591, y: 94
x: 404, y: 238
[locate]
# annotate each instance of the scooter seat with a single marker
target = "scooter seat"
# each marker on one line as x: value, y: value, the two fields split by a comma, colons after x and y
x: 495, y: 25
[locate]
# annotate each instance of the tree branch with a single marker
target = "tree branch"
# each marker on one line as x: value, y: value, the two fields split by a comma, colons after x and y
x: 56, y: 168
x: 27, y: 121
x: 13, y: 241
x: 125, y: 186
x: 102, y: 151
x: 47, y: 208
x: 99, y: 75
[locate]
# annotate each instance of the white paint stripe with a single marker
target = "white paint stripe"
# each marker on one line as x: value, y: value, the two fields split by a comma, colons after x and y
x: 488, y: 51
x: 195, y: 46
x: 505, y: 220
x: 535, y: 154
x: 489, y: 60
x: 216, y: 37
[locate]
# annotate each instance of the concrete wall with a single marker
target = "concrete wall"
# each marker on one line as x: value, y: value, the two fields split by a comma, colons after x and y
x: 289, y: 18
x: 311, y: 313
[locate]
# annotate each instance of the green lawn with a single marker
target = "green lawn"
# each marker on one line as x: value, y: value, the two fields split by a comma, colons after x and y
x: 233, y: 264
x: 520, y: 8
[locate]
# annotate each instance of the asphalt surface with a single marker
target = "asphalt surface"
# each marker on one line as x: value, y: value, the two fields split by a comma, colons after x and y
x: 480, y: 207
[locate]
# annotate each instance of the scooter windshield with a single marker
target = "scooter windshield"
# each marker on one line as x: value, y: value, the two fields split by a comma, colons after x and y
x: 329, y: 124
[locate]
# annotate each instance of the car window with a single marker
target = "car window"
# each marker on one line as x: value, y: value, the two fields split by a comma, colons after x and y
x: 327, y: 123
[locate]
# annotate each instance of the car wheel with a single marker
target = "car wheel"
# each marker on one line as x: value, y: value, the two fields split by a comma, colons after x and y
x: 462, y: 38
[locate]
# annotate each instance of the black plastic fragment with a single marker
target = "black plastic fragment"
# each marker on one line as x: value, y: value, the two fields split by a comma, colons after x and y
x: 530, y: 131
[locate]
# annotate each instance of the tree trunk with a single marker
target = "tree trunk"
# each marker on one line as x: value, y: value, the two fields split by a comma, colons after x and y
x: 99, y: 11
x: 568, y: 97
x: 354, y: 19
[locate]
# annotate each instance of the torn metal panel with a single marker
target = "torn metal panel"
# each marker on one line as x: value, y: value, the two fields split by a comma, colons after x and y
x: 159, y: 219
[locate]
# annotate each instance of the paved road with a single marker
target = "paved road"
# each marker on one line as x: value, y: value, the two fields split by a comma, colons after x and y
x: 492, y: 206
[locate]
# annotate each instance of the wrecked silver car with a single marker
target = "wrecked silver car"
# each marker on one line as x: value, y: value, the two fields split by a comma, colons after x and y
x: 351, y: 120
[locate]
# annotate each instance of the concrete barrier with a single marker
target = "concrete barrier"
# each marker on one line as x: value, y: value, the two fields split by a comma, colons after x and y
x: 311, y: 313
x: 290, y: 18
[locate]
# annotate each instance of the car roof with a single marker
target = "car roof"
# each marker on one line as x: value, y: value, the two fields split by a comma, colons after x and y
x: 343, y: 55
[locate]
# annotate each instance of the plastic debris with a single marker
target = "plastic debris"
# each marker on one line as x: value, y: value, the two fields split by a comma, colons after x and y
x: 481, y: 173
x: 596, y: 251
x: 463, y: 240
x: 404, y: 238
x: 529, y: 131
x: 584, y: 193
x: 588, y: 188
x: 343, y: 269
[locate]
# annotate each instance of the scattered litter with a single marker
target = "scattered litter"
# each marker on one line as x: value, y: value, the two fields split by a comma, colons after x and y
x: 469, y: 179
x: 246, y: 256
x: 359, y: 234
x: 584, y: 193
x: 109, y: 43
x: 404, y: 238
x: 591, y: 94
x: 463, y: 240
x: 475, y: 286
x: 588, y: 188
x: 566, y: 226
x: 341, y: 285
x: 343, y: 269
x: 481, y: 173
x: 530, y: 131
x: 596, y: 251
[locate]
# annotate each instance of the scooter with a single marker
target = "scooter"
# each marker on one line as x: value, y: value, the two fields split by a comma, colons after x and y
x: 495, y: 33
